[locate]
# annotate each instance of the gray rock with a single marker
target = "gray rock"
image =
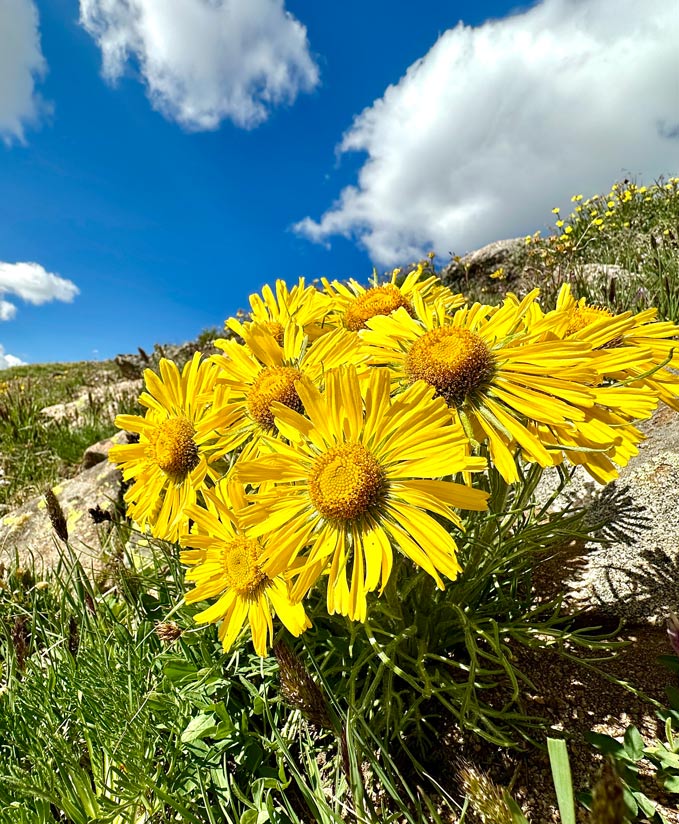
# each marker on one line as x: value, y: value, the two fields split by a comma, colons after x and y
x: 27, y: 534
x: 634, y: 576
x: 481, y: 263
x: 102, y: 401
x: 98, y: 452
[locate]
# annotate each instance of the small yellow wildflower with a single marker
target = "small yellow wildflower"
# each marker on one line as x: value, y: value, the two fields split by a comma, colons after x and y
x: 559, y: 223
x: 598, y: 222
x: 555, y: 210
x: 498, y: 274
x: 611, y: 204
x: 568, y: 230
x: 576, y: 198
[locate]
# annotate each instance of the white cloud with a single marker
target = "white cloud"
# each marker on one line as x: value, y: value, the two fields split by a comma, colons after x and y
x: 21, y: 65
x: 205, y: 60
x: 496, y: 125
x: 7, y: 310
x: 7, y: 360
x: 32, y: 283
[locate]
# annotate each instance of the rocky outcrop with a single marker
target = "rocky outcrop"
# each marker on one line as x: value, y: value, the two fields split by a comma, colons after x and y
x: 98, y: 452
x: 102, y: 401
x: 480, y: 264
x: 634, y: 574
x: 88, y: 502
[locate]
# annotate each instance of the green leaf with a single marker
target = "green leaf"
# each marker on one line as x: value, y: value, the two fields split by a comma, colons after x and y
x: 517, y: 813
x: 199, y: 727
x: 671, y: 783
x: 606, y: 744
x: 563, y: 782
x: 645, y: 803
x: 178, y: 671
x: 634, y: 743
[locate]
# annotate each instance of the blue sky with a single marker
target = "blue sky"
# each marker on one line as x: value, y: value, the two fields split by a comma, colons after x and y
x: 161, y: 159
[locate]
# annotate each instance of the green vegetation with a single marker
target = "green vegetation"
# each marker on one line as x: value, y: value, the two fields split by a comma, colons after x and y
x: 115, y: 708
x: 36, y: 452
x: 634, y: 228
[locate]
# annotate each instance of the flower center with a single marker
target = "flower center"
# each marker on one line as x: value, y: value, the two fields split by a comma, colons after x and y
x: 456, y: 362
x: 380, y: 300
x: 241, y: 566
x: 582, y: 316
x: 174, y: 449
x: 345, y: 482
x: 275, y: 383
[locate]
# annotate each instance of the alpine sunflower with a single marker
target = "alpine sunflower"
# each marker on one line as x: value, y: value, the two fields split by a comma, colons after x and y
x: 303, y: 305
x: 353, y: 304
x: 638, y: 350
x: 225, y: 563
x: 359, y: 474
x: 495, y: 374
x: 169, y: 464
x: 262, y: 372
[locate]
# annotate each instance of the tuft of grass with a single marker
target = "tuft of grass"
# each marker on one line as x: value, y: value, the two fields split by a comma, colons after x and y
x: 631, y: 233
x: 107, y: 716
x: 635, y: 228
x: 36, y: 452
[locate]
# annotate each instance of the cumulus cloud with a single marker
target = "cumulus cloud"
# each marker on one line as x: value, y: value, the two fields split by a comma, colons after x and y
x: 21, y: 66
x: 495, y: 125
x: 204, y: 61
x: 32, y: 283
x: 7, y: 360
x: 7, y: 310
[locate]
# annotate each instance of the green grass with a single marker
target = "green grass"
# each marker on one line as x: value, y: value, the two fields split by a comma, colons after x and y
x: 35, y: 452
x: 632, y: 227
x: 102, y: 721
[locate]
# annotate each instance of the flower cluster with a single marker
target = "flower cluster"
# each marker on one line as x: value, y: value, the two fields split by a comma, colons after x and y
x: 623, y: 211
x: 344, y: 429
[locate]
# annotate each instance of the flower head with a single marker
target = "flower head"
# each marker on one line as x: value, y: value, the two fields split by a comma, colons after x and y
x: 302, y: 305
x: 354, y: 305
x: 493, y: 373
x: 263, y: 372
x: 226, y: 562
x: 169, y: 464
x: 356, y: 479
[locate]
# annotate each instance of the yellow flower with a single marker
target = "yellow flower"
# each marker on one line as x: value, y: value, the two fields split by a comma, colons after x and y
x: 169, y: 463
x: 354, y: 304
x: 568, y: 230
x: 226, y: 564
x: 599, y: 222
x: 632, y: 354
x: 576, y: 198
x: 355, y: 480
x: 559, y: 223
x: 498, y: 274
x: 302, y: 305
x: 263, y: 372
x: 555, y: 210
x: 611, y: 204
x: 492, y: 372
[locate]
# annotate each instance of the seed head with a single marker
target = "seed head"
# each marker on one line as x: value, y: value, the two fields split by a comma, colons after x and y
x: 608, y: 806
x: 299, y: 689
x: 486, y: 798
x: 56, y: 515
x: 168, y: 631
